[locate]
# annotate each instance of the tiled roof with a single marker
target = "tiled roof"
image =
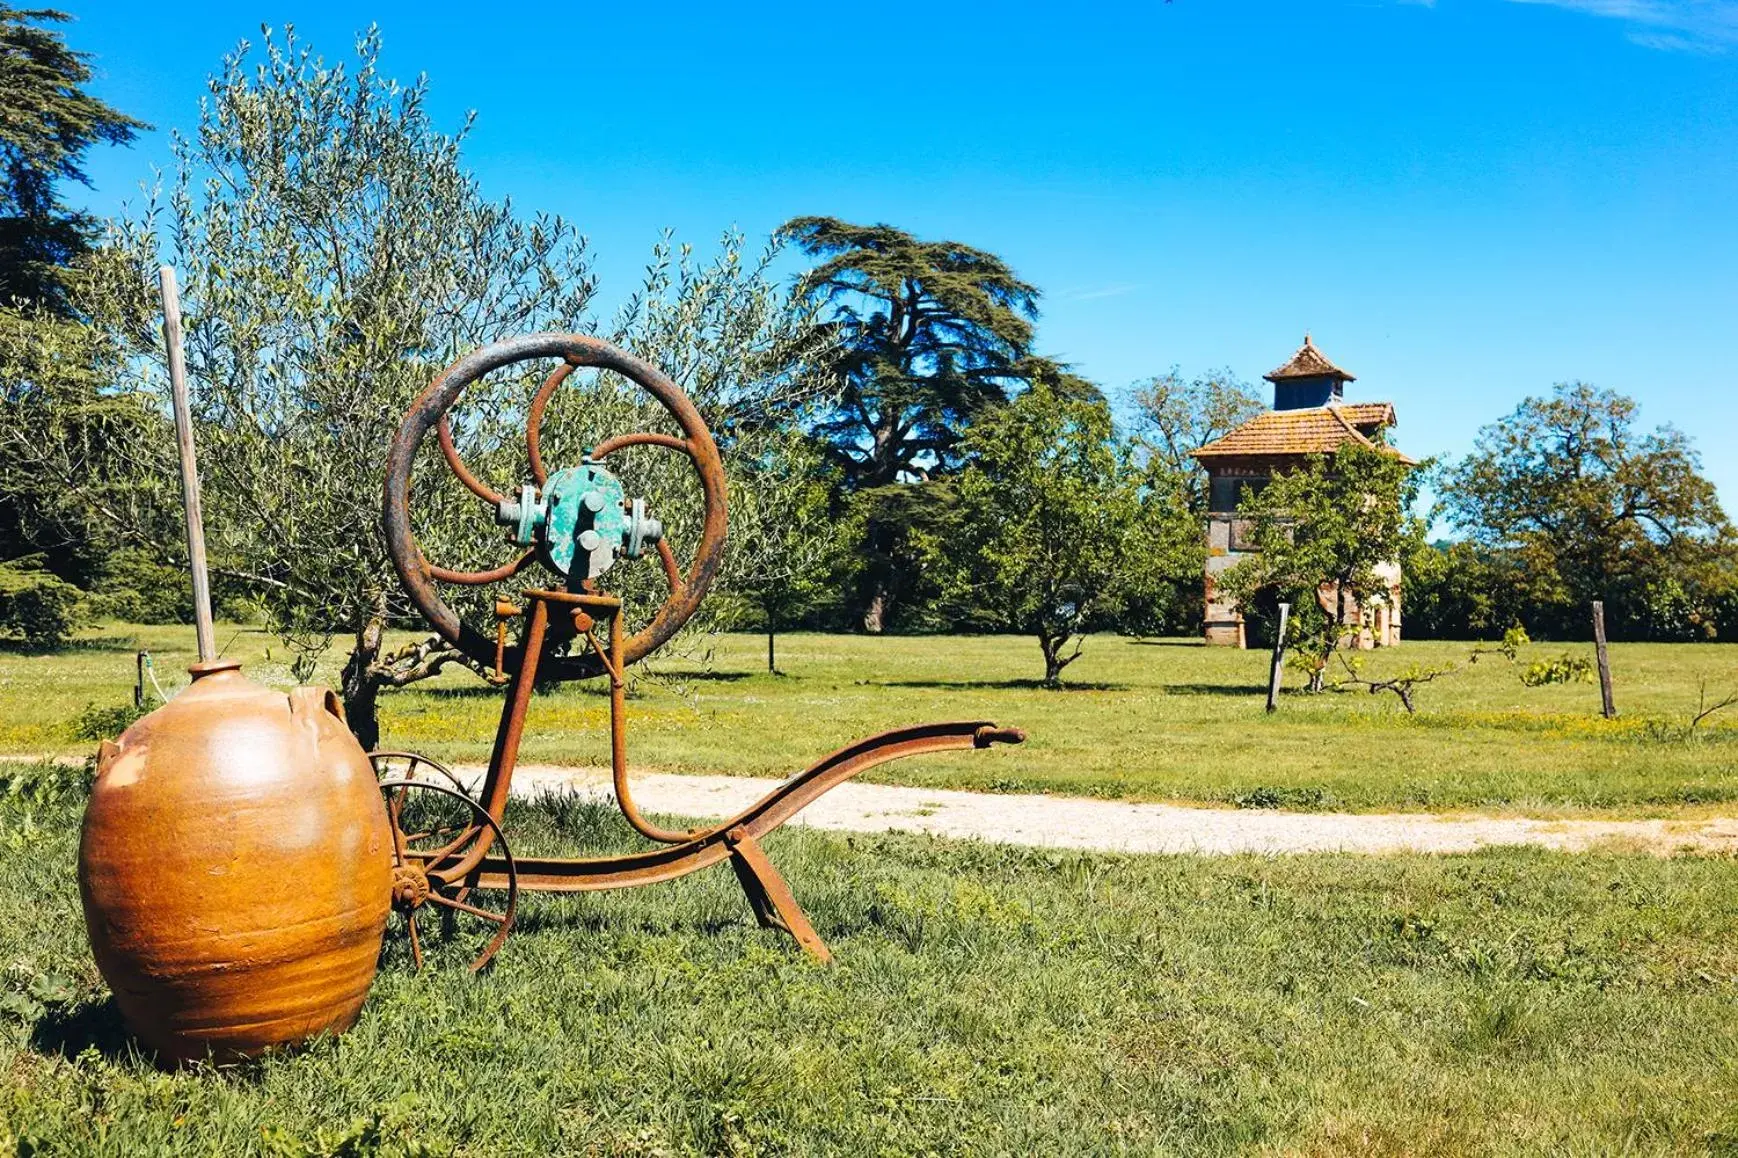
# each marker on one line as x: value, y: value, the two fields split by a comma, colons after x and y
x: 1317, y: 430
x: 1362, y: 414
x: 1308, y: 362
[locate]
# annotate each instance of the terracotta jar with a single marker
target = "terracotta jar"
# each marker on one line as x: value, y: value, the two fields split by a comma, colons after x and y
x: 236, y: 869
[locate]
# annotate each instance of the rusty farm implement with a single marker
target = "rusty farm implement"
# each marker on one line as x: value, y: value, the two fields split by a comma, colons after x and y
x: 576, y: 522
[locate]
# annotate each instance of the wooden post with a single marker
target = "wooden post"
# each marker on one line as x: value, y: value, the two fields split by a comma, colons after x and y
x: 189, y: 467
x: 139, y: 680
x: 1609, y: 709
x: 1278, y: 659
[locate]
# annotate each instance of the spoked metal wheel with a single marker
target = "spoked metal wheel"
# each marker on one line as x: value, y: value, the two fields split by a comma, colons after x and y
x: 445, y: 915
x: 430, y: 415
x: 391, y: 765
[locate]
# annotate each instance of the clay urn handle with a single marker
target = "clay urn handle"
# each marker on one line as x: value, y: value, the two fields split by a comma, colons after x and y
x: 319, y: 713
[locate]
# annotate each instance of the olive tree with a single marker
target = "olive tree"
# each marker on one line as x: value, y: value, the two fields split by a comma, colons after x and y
x: 336, y: 255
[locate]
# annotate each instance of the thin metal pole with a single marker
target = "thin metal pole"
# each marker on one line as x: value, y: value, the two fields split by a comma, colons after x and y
x: 1278, y: 659
x: 189, y: 467
x: 1606, y: 705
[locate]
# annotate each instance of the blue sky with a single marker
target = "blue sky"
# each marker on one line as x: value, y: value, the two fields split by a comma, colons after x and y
x: 1464, y: 201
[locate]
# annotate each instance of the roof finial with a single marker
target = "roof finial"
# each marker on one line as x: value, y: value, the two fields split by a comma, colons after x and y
x: 1308, y: 362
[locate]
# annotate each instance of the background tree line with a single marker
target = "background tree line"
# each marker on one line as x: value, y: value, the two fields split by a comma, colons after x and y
x: 902, y: 457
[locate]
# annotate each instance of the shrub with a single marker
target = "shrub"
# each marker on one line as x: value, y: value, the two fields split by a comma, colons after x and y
x: 94, y: 723
x: 35, y: 603
x: 1559, y: 669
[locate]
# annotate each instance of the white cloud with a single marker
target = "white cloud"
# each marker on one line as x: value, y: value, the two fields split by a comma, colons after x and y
x: 1669, y: 25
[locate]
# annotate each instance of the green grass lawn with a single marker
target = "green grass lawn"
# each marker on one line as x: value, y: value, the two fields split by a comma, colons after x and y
x: 986, y: 999
x: 1147, y: 720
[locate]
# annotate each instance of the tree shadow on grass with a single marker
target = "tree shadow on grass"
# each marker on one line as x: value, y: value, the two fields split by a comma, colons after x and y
x: 530, y: 920
x: 1215, y: 689
x: 600, y: 921
x: 1168, y: 642
x: 468, y: 692
x: 582, y: 687
x: 683, y: 677
x: 70, y: 1031
x: 107, y: 643
x: 1068, y: 685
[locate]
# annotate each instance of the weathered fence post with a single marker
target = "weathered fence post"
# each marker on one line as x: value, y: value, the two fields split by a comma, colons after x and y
x: 1278, y: 659
x: 1609, y: 709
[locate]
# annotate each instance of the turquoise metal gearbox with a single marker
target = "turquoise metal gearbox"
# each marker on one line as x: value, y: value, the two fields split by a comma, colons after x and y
x: 581, y: 522
x: 586, y: 522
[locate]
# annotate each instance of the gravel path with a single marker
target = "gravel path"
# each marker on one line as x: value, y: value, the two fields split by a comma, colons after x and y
x: 1115, y: 826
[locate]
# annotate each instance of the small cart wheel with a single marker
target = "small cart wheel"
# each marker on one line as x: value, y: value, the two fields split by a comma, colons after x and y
x: 434, y: 827
x: 392, y: 765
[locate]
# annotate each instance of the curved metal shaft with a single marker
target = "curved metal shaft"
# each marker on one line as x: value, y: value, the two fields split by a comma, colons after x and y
x: 568, y: 875
x: 687, y: 850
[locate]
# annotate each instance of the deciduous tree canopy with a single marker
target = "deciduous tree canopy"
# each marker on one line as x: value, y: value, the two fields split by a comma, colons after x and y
x: 1321, y: 535
x: 1589, y: 507
x: 1175, y: 416
x: 1056, y: 526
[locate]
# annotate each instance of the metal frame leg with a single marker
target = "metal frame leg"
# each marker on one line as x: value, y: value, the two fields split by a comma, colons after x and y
x: 775, y: 907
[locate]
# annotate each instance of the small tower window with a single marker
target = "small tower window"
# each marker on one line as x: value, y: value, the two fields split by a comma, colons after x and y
x: 1227, y: 493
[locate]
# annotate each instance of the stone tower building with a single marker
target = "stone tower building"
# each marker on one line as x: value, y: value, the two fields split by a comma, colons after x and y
x: 1309, y: 416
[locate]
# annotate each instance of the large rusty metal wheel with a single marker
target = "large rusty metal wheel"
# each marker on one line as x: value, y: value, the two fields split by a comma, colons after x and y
x: 434, y: 827
x: 429, y: 413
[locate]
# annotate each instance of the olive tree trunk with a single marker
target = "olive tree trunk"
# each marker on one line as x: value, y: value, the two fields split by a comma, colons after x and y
x: 361, y: 683
x: 372, y: 668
